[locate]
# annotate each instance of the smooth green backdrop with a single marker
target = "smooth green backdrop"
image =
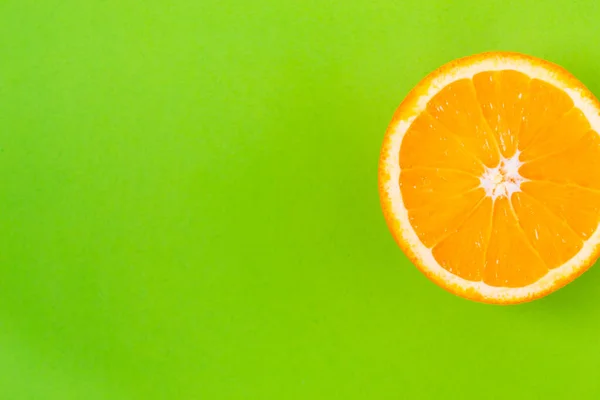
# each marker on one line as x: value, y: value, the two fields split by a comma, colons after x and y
x: 189, y: 207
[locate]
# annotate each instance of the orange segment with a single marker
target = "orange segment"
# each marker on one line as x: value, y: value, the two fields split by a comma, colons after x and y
x: 429, y: 144
x: 546, y: 104
x: 489, y: 177
x: 578, y: 164
x: 550, y: 236
x: 456, y: 107
x: 552, y: 139
x: 502, y: 95
x: 434, y: 221
x: 423, y: 186
x: 577, y: 206
x: 463, y: 251
x: 511, y: 260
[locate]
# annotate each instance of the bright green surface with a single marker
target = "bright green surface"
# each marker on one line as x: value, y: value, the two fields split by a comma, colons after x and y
x: 190, y: 211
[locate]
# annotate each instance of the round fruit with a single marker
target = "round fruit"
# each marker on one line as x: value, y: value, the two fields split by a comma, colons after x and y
x: 489, y: 177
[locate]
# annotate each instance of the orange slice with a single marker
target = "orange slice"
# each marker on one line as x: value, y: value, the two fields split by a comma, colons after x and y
x: 489, y: 177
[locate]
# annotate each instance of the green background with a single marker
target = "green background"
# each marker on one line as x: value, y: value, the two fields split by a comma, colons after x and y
x: 189, y: 205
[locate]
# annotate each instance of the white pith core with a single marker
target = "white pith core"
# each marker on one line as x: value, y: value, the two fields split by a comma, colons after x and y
x: 504, y: 179
x: 392, y: 195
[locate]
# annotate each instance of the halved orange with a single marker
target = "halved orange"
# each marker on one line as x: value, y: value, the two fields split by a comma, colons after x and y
x: 489, y: 177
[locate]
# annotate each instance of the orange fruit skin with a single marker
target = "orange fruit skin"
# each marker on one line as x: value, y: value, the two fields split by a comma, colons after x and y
x: 408, y: 108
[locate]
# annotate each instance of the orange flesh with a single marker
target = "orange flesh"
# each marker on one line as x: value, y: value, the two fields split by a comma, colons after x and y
x: 473, y: 124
